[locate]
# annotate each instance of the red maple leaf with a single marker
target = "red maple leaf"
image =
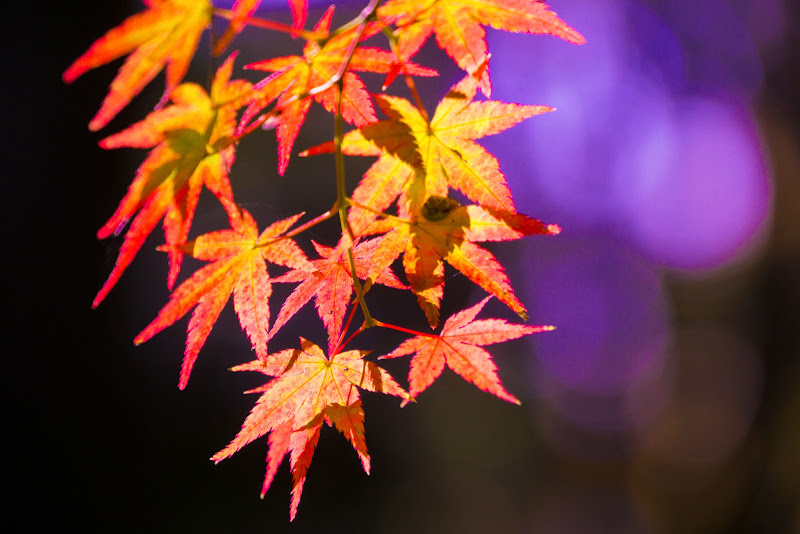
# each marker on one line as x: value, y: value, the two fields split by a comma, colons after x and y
x: 331, y: 285
x: 295, y: 76
x: 459, y: 346
x: 192, y: 146
x: 167, y: 33
x: 459, y: 31
x: 308, y: 390
x: 239, y: 266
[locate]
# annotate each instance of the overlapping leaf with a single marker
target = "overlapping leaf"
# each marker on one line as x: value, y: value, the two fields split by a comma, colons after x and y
x: 445, y: 231
x: 420, y: 160
x: 459, y: 346
x: 442, y: 150
x: 295, y: 76
x: 167, y: 33
x: 458, y: 26
x: 309, y: 389
x: 239, y: 266
x: 192, y: 146
x: 331, y: 285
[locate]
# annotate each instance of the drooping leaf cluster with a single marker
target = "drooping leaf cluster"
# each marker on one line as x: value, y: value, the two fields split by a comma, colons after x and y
x: 403, y: 217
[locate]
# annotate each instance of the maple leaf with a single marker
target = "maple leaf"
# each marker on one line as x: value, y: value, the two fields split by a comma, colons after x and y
x: 192, y: 146
x: 308, y: 390
x: 239, y: 266
x: 457, y: 25
x: 243, y: 10
x: 294, y: 76
x: 443, y: 231
x: 331, y: 284
x: 443, y: 149
x: 167, y: 33
x: 459, y: 346
x: 408, y: 43
x: 420, y: 160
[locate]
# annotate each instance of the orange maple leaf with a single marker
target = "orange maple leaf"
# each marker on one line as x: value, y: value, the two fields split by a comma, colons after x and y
x: 441, y: 152
x: 167, y: 33
x: 442, y: 230
x: 193, y: 145
x: 459, y: 346
x: 459, y: 31
x: 308, y: 390
x: 294, y: 76
x: 239, y: 266
x: 331, y: 284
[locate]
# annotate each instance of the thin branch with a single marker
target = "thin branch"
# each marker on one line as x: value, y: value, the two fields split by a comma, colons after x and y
x: 362, y: 19
x: 341, y: 190
x: 403, y: 329
x: 368, y: 320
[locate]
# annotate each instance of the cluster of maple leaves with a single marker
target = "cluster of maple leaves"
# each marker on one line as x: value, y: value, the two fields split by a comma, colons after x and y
x: 193, y: 134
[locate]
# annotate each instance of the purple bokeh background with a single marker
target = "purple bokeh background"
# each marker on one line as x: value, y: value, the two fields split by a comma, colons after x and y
x: 652, y: 164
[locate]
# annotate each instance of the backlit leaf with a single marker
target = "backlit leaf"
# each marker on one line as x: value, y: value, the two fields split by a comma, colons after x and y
x: 458, y: 26
x: 459, y: 347
x: 294, y: 76
x: 309, y: 388
x: 191, y: 147
x: 167, y: 33
x: 239, y: 266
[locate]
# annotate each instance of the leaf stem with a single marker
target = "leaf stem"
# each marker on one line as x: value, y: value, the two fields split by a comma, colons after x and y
x: 368, y: 320
x: 362, y: 18
x: 303, y: 227
x: 403, y: 329
x: 339, y: 344
x: 313, y: 222
x: 349, y: 339
x: 381, y: 214
x: 269, y: 25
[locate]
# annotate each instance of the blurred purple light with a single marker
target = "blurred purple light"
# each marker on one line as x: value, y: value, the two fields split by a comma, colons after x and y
x: 723, y: 54
x: 698, y: 186
x: 609, y: 310
x: 637, y: 144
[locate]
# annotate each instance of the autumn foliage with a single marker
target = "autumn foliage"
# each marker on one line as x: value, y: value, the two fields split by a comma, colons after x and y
x: 399, y: 227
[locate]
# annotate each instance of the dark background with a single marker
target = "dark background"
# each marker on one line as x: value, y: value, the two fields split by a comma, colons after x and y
x: 100, y: 437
